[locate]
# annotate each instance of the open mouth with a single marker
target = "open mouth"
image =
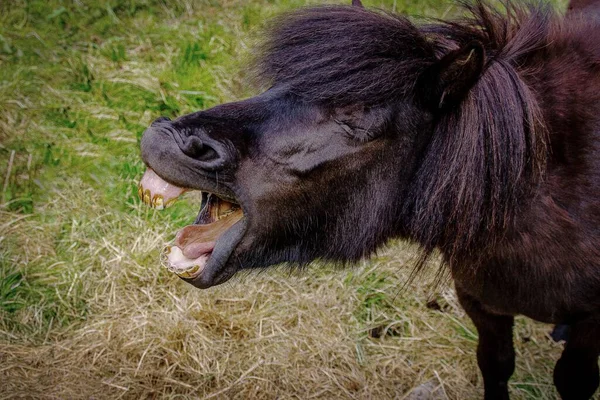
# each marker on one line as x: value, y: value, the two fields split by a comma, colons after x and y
x: 200, y: 250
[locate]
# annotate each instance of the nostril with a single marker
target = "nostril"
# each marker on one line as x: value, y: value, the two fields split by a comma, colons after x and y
x: 194, y: 147
x: 161, y: 119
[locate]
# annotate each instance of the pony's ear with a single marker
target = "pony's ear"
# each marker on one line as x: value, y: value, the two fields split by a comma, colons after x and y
x: 357, y: 3
x: 447, y: 82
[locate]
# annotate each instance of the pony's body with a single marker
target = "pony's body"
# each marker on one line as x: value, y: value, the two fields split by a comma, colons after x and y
x: 547, y: 264
x: 553, y: 242
x: 480, y: 138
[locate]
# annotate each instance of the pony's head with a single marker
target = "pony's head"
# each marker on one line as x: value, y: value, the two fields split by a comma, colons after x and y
x: 372, y: 128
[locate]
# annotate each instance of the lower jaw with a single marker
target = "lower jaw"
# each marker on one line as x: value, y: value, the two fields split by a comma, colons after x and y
x: 201, y: 282
x: 218, y: 267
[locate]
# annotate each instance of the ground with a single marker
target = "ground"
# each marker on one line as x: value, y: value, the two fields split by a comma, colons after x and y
x: 86, y: 311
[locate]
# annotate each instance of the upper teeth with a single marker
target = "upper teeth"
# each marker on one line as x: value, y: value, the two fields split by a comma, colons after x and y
x: 156, y: 192
x: 154, y: 201
x: 226, y: 213
x: 222, y: 209
x: 157, y: 202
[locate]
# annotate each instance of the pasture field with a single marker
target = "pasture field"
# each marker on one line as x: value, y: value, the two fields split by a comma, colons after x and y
x: 86, y: 311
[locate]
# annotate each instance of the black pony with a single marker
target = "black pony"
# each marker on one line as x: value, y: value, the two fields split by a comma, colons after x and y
x: 478, y: 137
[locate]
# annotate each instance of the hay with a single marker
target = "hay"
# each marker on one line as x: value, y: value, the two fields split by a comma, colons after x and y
x: 264, y: 336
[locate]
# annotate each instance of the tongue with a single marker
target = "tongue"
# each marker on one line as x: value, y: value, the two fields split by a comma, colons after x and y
x: 195, y: 240
x: 156, y: 192
x: 194, y: 244
x: 194, y: 250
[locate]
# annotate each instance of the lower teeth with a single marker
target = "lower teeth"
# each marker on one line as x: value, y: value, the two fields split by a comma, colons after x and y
x: 173, y: 259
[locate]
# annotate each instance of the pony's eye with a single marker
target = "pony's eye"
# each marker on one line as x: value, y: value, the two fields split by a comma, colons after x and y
x: 345, y: 127
x: 357, y: 133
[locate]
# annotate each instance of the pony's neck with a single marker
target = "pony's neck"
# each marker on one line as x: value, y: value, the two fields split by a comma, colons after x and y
x: 484, y: 156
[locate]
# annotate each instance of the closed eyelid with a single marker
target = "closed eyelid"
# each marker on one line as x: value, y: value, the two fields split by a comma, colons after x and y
x: 359, y: 133
x: 345, y: 127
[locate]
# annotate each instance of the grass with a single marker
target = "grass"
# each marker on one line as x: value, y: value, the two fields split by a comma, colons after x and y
x: 85, y: 309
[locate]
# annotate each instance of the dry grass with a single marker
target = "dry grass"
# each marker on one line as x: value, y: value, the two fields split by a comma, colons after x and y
x: 85, y: 309
x: 270, y: 335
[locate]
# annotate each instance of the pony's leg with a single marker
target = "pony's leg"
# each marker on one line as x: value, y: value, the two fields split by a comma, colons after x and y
x: 576, y: 374
x: 495, y: 352
x: 560, y: 332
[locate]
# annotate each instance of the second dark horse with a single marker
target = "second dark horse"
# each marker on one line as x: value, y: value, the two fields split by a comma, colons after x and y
x: 478, y: 137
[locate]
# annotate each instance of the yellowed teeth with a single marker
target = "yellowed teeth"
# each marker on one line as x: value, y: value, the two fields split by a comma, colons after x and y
x: 157, y: 201
x: 173, y: 259
x: 191, y: 273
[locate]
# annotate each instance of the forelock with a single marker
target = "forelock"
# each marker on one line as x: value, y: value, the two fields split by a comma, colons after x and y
x: 340, y: 55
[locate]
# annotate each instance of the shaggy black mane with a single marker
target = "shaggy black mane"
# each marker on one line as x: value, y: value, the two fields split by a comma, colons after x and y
x: 484, y: 154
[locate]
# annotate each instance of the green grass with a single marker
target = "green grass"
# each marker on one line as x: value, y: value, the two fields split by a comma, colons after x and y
x: 85, y: 309
x: 81, y: 81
